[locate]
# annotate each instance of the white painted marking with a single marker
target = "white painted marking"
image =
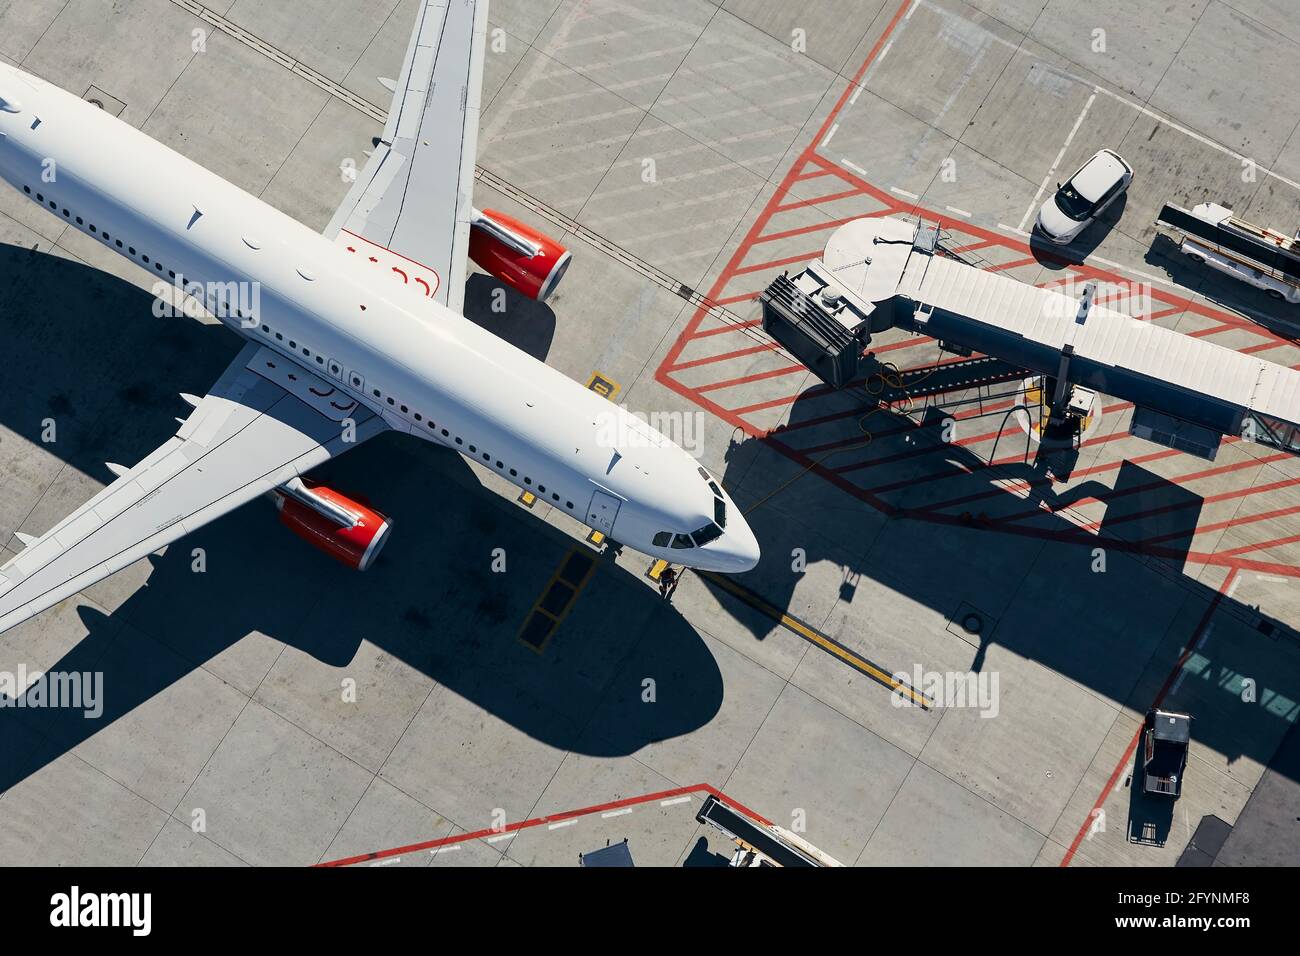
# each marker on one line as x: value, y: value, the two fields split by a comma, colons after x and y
x: 854, y: 166
x: 827, y: 140
x: 856, y: 93
x: 1018, y: 232
x: 1018, y: 48
x: 956, y: 211
x: 563, y: 823
x: 673, y: 801
x: 616, y: 813
x: 1059, y: 156
x: 502, y: 836
x: 911, y: 10
x: 388, y: 862
x: 1182, y: 671
x: 1196, y: 136
x: 904, y: 192
x: 1142, y: 275
x: 444, y: 849
x: 883, y: 52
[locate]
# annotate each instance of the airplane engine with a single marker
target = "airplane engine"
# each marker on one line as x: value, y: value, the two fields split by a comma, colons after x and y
x: 346, y: 530
x: 520, y: 256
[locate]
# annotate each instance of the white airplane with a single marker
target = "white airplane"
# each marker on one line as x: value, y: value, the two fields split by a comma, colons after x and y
x: 348, y: 333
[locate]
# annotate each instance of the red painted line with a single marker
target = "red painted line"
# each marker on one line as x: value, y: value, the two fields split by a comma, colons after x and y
x: 972, y: 246
x: 1116, y: 494
x: 1225, y: 525
x: 776, y: 263
x: 1262, y: 545
x: 813, y: 175
x: 725, y: 327
x: 821, y: 226
x: 552, y: 818
x: 733, y: 299
x: 756, y: 377
x: 818, y: 200
x: 1160, y: 696
x: 1013, y: 264
x: 739, y: 353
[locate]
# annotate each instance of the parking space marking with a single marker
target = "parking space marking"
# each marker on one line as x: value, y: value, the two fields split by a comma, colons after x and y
x: 1057, y: 162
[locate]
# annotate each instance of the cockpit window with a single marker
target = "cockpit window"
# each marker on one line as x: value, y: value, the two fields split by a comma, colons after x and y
x: 720, y: 512
x: 682, y: 541
x: 663, y: 538
x: 709, y: 532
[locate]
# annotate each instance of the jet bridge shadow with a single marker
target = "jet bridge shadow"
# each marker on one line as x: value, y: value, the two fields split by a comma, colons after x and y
x: 82, y: 349
x: 1048, y: 601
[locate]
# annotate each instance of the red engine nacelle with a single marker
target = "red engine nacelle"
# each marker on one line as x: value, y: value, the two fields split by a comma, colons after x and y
x: 357, y: 545
x: 535, y: 276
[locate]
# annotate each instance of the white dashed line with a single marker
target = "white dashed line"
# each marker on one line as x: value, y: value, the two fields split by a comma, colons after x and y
x: 957, y: 212
x: 396, y: 859
x: 826, y: 141
x: 562, y: 823
x: 1018, y: 232
x: 911, y: 10
x: 904, y: 192
x: 883, y: 52
x: 615, y: 813
x: 856, y: 93
x: 1059, y: 156
x: 853, y: 166
x: 675, y: 800
x: 444, y: 849
x: 500, y: 837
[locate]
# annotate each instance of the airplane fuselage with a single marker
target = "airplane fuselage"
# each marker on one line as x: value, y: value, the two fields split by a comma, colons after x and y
x: 427, y: 370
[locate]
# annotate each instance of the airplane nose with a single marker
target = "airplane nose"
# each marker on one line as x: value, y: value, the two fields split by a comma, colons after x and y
x: 742, y: 548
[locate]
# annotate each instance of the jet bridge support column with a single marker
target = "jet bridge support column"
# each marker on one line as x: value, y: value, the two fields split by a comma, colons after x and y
x: 1065, y: 414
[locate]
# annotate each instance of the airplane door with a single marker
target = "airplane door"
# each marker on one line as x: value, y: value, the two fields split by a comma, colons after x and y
x: 603, y: 511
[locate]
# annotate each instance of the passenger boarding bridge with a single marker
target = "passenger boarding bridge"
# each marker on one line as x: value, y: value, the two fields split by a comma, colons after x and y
x: 877, y: 274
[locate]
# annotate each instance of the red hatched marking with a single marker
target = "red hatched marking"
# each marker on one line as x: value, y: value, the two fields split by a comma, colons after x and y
x: 727, y: 381
x: 551, y: 818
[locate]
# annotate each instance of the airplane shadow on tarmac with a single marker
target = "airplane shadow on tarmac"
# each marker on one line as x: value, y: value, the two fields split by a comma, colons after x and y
x: 1042, y: 597
x: 82, y: 348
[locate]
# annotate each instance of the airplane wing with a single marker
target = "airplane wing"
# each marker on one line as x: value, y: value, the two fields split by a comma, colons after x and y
x: 413, y: 199
x: 266, y: 421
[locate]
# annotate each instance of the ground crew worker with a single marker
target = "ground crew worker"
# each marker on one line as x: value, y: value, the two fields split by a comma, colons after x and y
x: 668, y: 583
